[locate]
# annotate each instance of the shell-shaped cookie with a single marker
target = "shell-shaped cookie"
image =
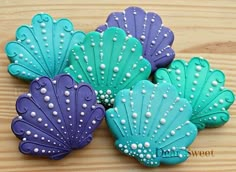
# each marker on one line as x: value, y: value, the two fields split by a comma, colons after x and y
x: 56, y: 116
x: 147, y: 27
x: 109, y: 61
x: 151, y: 123
x: 42, y: 49
x: 203, y: 87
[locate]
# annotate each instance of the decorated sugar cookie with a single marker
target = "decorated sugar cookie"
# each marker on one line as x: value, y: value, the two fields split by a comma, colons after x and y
x: 110, y: 61
x: 42, y: 49
x: 56, y: 116
x: 151, y: 123
x: 203, y: 87
x: 147, y: 27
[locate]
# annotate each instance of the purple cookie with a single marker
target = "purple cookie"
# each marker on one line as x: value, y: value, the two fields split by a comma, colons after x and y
x: 149, y: 30
x: 56, y: 117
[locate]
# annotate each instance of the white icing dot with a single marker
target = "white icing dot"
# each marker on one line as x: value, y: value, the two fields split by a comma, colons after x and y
x: 134, y: 115
x: 148, y: 114
x: 36, y: 136
x: 67, y: 93
x: 116, y: 69
x: 102, y: 66
x: 62, y: 35
x: 54, y: 113
x: 51, y: 105
x: 141, y: 155
x: 148, y: 156
x: 140, y: 145
x: 128, y: 75
x: 221, y: 101
x: 142, y: 37
x: 28, y: 132
x: 120, y: 145
x: 214, y: 83
x: 181, y: 109
x: 180, y: 155
x: 198, y: 68
x: 36, y: 150
x: 84, y: 105
x: 172, y: 132
x: 146, y: 144
x: 46, y: 98
x: 162, y: 121
x: 187, y: 134
x: 141, y: 69
x: 43, y: 90
x: 93, y: 122
x: 134, y: 146
x: 59, y: 121
x: 126, y: 151
x: 195, y: 82
x: 33, y: 114
x: 214, y: 117
x: 89, y: 69
x: 122, y: 121
x: 197, y: 75
x: 123, y: 100
x: 40, y: 120
x: 165, y: 95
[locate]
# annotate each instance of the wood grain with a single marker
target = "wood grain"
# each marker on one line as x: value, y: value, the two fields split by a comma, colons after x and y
x: 202, y: 28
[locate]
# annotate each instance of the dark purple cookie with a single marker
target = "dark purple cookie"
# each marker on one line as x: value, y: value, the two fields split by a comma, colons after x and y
x: 56, y: 117
x: 148, y: 28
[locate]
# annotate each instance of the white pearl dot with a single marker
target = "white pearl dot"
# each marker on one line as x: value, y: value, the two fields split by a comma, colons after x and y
x: 148, y: 114
x: 102, y: 66
x: 67, y: 93
x: 54, y: 113
x: 116, y: 69
x: 51, y: 105
x: 36, y: 150
x: 162, y: 121
x: 33, y: 114
x: 178, y: 71
x: 148, y: 156
x: 89, y: 69
x: 134, y: 115
x: 134, y: 146
x: 165, y: 95
x: 40, y: 120
x: 28, y: 132
x: 198, y: 68
x: 122, y: 121
x: 146, y: 144
x: 214, y: 83
x: 46, y: 98
x: 84, y: 105
x: 43, y: 90
x: 172, y: 132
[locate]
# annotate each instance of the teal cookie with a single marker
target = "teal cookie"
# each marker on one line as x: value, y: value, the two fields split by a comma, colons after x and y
x: 202, y: 87
x: 109, y: 61
x: 151, y: 123
x: 43, y: 48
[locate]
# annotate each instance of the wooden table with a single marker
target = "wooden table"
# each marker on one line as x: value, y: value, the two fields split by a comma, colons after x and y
x: 202, y: 27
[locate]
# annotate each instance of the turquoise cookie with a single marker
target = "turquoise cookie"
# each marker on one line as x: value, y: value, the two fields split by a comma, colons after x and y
x: 202, y: 87
x: 109, y: 61
x: 43, y: 48
x: 151, y: 123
